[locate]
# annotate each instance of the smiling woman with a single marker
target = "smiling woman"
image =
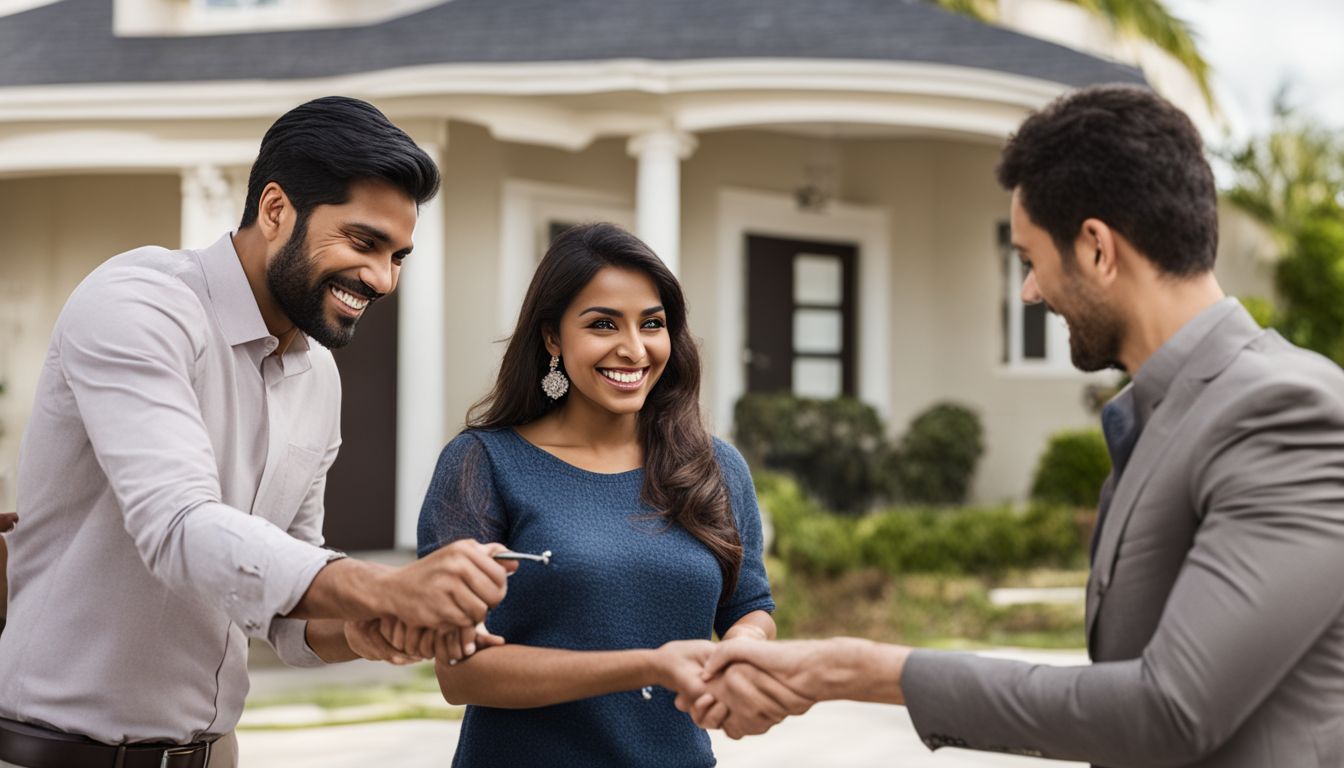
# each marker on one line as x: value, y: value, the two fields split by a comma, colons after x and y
x: 654, y: 525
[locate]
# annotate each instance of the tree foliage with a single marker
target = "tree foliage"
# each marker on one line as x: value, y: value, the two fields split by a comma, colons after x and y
x: 1149, y: 20
x: 1292, y: 181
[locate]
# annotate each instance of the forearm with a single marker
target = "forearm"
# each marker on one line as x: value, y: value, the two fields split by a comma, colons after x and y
x: 344, y: 589
x: 519, y: 676
x: 861, y: 670
x: 757, y: 624
x: 327, y: 639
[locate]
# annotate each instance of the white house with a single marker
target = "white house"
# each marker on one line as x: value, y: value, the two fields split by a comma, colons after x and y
x: 820, y: 175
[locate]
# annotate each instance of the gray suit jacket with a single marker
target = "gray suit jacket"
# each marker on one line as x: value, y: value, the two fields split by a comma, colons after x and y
x: 1215, y: 606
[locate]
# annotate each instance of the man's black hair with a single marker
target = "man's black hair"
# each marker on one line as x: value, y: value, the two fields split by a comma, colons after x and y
x: 318, y: 149
x: 1126, y: 156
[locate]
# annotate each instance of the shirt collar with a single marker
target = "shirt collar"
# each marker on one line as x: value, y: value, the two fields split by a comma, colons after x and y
x: 236, y: 308
x: 1156, y: 376
x: 230, y: 294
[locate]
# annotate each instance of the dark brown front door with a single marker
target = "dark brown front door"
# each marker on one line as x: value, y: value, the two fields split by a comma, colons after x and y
x: 800, y: 317
x: 361, y: 486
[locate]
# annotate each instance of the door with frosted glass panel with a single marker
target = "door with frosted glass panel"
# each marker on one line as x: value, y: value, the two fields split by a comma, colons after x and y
x: 800, y: 317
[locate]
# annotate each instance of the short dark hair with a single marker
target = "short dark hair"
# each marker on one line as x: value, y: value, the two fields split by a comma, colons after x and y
x: 318, y: 149
x: 1125, y: 155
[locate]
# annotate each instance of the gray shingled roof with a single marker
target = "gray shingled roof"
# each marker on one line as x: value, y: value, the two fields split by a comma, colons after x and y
x: 72, y: 41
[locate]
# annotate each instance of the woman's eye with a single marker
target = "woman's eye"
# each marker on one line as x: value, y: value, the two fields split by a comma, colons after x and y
x: 653, y: 323
x: 605, y: 325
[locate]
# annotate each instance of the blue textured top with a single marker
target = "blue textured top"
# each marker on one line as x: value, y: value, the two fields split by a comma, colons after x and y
x: 620, y: 578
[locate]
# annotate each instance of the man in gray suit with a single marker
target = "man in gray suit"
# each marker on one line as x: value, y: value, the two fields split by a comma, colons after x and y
x: 1215, y: 605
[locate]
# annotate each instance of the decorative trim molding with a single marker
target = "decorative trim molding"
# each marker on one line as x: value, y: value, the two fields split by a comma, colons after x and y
x: 526, y: 208
x: 700, y: 95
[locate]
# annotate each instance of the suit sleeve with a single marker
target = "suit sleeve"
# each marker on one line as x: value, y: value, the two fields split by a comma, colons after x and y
x: 1258, y: 589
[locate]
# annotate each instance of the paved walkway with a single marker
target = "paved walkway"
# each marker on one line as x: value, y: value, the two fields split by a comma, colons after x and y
x: 839, y: 734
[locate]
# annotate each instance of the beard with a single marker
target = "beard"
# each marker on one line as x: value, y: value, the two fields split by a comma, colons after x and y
x: 302, y: 297
x: 1095, y: 330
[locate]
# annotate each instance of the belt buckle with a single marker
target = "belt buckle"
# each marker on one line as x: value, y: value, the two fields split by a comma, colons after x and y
x: 187, y: 751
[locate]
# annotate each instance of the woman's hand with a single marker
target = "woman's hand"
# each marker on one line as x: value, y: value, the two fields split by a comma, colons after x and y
x: 678, y: 666
x: 453, y: 645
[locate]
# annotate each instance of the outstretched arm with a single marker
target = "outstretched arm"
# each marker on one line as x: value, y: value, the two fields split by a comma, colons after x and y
x: 520, y: 676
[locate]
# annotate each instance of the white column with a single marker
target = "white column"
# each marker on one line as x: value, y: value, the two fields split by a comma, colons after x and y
x: 421, y: 364
x: 210, y: 204
x: 658, y: 190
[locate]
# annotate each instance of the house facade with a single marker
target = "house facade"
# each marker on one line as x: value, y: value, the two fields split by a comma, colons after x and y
x: 819, y: 175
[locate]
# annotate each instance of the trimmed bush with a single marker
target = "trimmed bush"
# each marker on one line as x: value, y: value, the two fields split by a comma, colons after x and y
x: 937, y: 457
x: 835, y: 448
x: 1072, y: 469
x: 971, y: 540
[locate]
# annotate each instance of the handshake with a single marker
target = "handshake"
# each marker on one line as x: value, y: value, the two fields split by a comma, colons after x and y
x: 746, y: 684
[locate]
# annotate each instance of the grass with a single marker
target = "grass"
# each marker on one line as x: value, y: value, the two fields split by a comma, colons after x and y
x: 940, y: 611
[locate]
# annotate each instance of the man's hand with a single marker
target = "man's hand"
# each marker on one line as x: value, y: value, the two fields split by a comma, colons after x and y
x: 366, y: 639
x: 820, y: 670
x: 453, y: 587
x: 8, y: 520
x: 744, y: 701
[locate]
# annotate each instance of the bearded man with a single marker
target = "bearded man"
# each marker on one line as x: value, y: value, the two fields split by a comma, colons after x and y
x: 1215, y: 617
x: 172, y: 474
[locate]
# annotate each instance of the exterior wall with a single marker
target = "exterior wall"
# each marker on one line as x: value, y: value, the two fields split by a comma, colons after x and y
x: 475, y: 165
x: 58, y: 229
x: 946, y: 293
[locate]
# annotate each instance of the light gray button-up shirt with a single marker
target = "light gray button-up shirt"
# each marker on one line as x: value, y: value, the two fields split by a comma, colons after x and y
x: 170, y: 485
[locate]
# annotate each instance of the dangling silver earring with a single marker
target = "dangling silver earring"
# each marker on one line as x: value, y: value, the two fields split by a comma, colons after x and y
x: 554, y: 384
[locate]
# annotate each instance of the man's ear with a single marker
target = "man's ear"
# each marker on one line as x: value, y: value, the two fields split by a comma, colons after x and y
x: 275, y: 214
x: 1095, y: 250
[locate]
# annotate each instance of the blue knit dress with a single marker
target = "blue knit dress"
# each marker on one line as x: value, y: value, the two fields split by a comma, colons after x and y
x: 621, y: 578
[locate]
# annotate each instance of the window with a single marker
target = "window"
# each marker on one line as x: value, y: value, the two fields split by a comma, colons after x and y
x: 1032, y: 338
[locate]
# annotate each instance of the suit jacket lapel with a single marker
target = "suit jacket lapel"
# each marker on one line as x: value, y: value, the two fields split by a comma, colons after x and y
x: 1213, y: 354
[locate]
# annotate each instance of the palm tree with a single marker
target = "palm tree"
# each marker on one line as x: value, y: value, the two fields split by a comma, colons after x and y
x: 1150, y: 20
x: 1290, y: 175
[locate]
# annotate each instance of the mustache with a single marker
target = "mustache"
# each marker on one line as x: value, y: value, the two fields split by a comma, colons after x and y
x: 357, y: 287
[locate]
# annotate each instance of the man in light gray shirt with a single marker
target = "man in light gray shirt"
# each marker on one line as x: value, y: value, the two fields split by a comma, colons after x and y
x: 172, y: 474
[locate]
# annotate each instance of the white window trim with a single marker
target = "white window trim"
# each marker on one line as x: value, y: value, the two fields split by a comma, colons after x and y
x: 526, y: 210
x: 743, y: 212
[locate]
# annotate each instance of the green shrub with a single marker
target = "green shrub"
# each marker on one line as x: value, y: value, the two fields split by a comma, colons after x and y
x: 937, y: 457
x: 971, y: 540
x: 1072, y: 469
x: 835, y: 448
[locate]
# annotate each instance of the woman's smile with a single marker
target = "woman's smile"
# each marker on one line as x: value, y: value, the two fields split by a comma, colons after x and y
x: 625, y: 379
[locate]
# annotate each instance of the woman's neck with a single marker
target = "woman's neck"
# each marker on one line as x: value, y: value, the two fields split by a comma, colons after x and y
x: 583, y: 423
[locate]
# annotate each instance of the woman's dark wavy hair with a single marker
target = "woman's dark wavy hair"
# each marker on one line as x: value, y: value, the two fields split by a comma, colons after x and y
x: 318, y: 149
x: 682, y: 480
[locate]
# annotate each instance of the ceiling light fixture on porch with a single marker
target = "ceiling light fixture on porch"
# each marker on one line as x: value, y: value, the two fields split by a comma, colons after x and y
x: 821, y: 174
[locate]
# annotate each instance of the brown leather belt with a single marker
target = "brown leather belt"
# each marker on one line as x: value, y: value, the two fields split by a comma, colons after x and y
x: 34, y: 747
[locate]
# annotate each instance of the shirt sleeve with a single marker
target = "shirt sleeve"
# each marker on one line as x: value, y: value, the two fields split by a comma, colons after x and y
x: 130, y: 347
x: 289, y: 637
x: 462, y: 501
x: 1259, y: 589
x: 753, y: 587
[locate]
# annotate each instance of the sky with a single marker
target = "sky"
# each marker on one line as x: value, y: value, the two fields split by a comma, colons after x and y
x: 1255, y: 45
